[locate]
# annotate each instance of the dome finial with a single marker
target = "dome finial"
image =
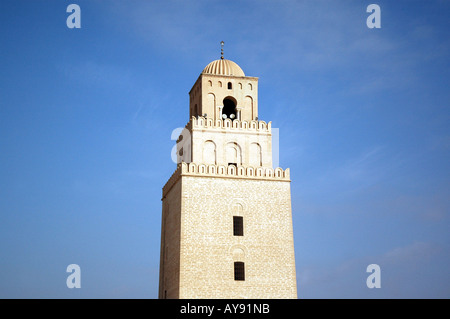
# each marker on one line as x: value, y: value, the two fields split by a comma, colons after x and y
x: 221, y: 50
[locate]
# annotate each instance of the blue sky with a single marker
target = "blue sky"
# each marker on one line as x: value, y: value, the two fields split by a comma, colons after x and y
x: 86, y: 117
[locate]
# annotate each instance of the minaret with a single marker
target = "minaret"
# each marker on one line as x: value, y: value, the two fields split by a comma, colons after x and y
x: 226, y: 220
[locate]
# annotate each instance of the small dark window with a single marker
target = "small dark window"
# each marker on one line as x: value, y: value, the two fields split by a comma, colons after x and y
x: 230, y: 86
x: 239, y: 271
x: 238, y: 226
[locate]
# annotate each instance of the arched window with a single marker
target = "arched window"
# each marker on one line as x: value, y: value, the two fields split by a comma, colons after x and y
x: 255, y: 154
x: 233, y: 154
x: 209, y: 152
x: 230, y: 86
x: 229, y: 108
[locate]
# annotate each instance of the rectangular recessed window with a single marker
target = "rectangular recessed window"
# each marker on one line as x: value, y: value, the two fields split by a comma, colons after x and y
x: 238, y: 226
x: 239, y: 271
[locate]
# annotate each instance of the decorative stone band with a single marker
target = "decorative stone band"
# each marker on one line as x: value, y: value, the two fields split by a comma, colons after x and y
x: 222, y: 171
x: 206, y: 123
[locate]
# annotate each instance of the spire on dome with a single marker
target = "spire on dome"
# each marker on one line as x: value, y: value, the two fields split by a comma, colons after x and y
x: 221, y: 50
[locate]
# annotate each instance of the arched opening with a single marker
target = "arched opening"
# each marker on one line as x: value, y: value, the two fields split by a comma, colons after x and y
x: 255, y: 154
x: 229, y: 108
x: 230, y: 86
x: 209, y: 152
x: 233, y: 154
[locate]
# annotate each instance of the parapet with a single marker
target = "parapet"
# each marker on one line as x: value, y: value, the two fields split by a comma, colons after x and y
x: 228, y: 124
x: 230, y: 171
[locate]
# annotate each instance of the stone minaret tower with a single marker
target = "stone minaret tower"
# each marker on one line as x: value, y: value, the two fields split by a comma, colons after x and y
x: 226, y: 215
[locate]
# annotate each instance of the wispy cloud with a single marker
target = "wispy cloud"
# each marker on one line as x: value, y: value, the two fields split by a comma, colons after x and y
x: 178, y: 26
x: 363, y: 167
x: 315, y: 36
x: 412, y: 253
x: 347, y: 175
x: 98, y: 74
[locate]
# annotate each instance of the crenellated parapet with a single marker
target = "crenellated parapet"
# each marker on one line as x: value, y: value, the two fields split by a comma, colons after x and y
x: 230, y: 171
x: 233, y: 171
x: 201, y: 122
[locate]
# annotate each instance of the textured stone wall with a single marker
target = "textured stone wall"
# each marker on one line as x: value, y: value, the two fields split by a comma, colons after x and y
x: 170, y: 243
x: 208, y: 248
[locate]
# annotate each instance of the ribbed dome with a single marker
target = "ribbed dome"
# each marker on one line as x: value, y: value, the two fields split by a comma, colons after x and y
x: 223, y: 67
